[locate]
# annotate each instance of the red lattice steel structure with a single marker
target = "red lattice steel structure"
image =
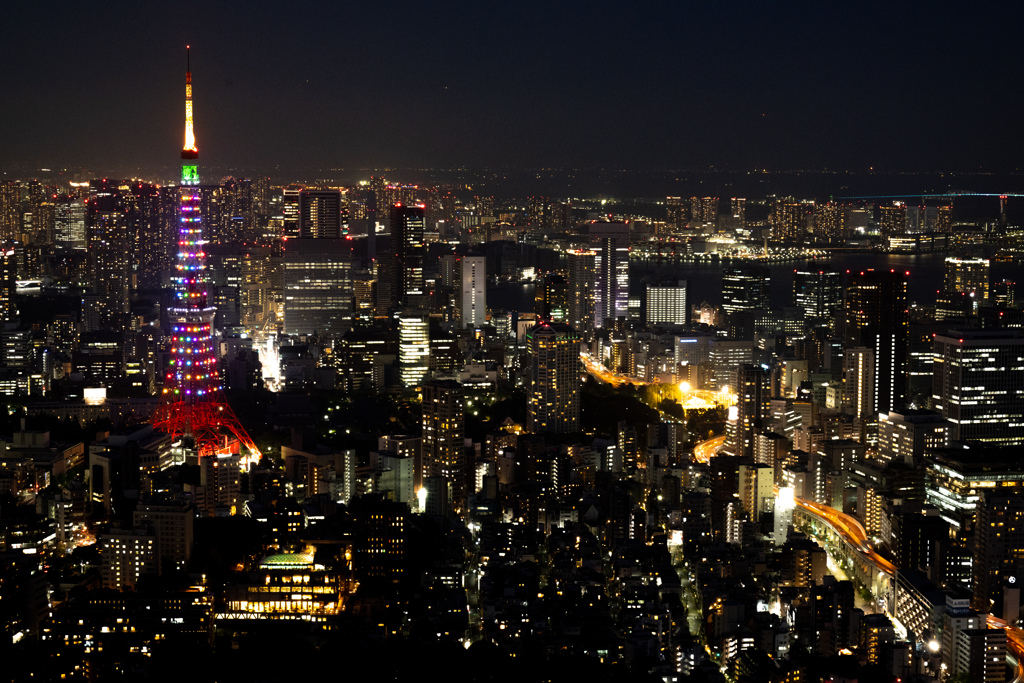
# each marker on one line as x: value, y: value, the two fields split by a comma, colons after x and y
x: 196, y: 406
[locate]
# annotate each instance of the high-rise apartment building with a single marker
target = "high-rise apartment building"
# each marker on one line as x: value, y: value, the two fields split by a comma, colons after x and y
x: 753, y: 406
x: 978, y: 384
x: 790, y: 220
x: 474, y: 291
x: 998, y: 552
x: 830, y: 225
x: 704, y: 210
x: 877, y: 318
x: 610, y: 242
x: 859, y: 382
x: 109, y: 246
x: 551, y: 301
x: 675, y: 214
x: 553, y: 400
x: 443, y: 431
x: 892, y: 220
x: 580, y: 286
x: 968, y: 276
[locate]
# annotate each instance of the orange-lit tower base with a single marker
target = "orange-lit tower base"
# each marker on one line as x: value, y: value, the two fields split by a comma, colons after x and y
x: 196, y: 407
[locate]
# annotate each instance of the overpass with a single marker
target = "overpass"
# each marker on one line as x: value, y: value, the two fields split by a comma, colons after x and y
x: 847, y: 541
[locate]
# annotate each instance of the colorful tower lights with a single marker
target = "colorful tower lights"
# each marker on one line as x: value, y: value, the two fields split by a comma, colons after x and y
x: 195, y: 407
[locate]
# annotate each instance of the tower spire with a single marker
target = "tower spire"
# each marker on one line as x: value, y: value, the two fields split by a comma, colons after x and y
x: 189, y: 151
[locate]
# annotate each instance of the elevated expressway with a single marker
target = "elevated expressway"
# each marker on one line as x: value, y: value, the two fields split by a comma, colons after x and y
x: 849, y: 544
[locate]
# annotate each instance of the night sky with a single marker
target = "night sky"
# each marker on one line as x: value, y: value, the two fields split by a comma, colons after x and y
x: 782, y: 85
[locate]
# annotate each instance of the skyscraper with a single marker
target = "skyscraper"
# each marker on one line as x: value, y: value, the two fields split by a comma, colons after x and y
x: 551, y: 299
x: 580, y: 286
x: 790, y: 220
x: 745, y: 288
x: 474, y: 291
x: 407, y: 226
x: 892, y: 220
x: 317, y: 286
x: 877, y: 318
x: 753, y: 405
x: 967, y: 276
x: 110, y: 254
x: 667, y: 304
x: 553, y: 401
x: 413, y: 347
x: 443, y: 427
x: 320, y: 214
x: 818, y: 289
x: 977, y: 380
x: 830, y: 224
x: 610, y: 241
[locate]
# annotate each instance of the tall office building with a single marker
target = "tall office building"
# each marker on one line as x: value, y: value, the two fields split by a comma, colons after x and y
x: 968, y: 276
x: 443, y: 431
x: 667, y: 304
x: 474, y: 291
x: 745, y: 289
x: 977, y: 380
x: 320, y: 214
x: 413, y: 348
x: 610, y: 241
x: 407, y: 226
x: 290, y: 210
x: 69, y: 222
x: 317, y: 286
x: 818, y: 289
x: 580, y: 285
x: 877, y: 318
x: 553, y: 401
x: 830, y: 225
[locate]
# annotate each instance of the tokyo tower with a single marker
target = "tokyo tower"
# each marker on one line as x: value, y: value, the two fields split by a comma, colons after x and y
x: 196, y: 409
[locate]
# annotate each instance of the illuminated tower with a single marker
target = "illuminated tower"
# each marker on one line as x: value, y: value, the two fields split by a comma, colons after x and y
x: 196, y: 408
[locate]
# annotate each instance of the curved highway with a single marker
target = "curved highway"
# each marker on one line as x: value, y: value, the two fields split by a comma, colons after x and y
x: 705, y: 450
x: 851, y: 529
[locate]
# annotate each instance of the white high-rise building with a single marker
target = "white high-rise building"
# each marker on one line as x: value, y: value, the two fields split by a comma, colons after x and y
x: 667, y: 304
x: 413, y: 348
x: 611, y: 266
x: 474, y: 291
